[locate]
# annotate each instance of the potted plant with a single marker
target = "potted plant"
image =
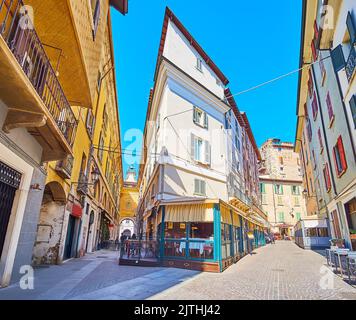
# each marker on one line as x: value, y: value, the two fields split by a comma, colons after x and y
x: 353, y: 234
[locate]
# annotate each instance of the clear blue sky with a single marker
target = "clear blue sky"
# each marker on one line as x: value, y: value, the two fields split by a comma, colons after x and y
x: 250, y: 41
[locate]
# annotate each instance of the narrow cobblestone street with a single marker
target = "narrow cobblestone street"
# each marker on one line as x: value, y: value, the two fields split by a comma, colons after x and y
x: 281, y: 271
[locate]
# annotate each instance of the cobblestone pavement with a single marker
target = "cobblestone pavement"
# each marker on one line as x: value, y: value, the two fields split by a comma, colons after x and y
x: 275, y: 272
x: 280, y: 271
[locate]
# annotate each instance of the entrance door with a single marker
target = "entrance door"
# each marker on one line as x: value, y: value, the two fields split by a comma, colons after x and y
x: 9, y: 183
x: 69, y: 238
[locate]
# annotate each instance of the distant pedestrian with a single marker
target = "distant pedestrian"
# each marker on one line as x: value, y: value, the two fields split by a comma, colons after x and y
x: 272, y: 238
x: 122, y: 244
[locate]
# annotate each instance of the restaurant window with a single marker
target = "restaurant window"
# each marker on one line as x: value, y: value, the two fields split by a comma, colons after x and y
x: 226, y: 238
x: 175, y: 249
x: 201, y: 231
x: 323, y: 232
x: 339, y: 157
x: 201, y: 244
x: 175, y: 230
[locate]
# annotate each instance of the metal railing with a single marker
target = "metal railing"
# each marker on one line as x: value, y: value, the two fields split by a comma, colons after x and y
x: 18, y: 32
x: 139, y: 249
x: 351, y: 64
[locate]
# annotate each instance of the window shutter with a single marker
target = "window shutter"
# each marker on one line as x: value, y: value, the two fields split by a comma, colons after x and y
x: 196, y: 186
x: 96, y: 17
x: 203, y: 187
x: 195, y: 119
x: 338, y: 58
x: 320, y: 139
x: 315, y: 106
x: 207, y: 153
x: 340, y: 146
x: 351, y: 27
x: 192, y: 147
x: 206, y: 120
x: 353, y: 108
x: 330, y: 107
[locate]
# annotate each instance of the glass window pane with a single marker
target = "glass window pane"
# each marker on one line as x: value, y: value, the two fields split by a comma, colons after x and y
x: 223, y: 251
x: 174, y: 248
x: 202, y: 230
x: 175, y: 230
x: 227, y: 232
x: 201, y: 250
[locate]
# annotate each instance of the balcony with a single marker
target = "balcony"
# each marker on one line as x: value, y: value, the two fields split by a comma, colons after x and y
x: 64, y: 167
x: 83, y: 184
x: 29, y: 85
x: 351, y: 64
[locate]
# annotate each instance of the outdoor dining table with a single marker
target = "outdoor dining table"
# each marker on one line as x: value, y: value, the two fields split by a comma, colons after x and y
x: 351, y: 263
x: 339, y: 253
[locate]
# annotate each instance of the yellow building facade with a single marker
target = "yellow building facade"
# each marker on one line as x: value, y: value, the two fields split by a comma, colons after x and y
x: 80, y: 207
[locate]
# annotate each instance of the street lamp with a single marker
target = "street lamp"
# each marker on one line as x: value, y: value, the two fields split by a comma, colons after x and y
x: 95, y: 175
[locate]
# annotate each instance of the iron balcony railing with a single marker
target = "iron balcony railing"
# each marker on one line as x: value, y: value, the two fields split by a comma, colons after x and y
x: 351, y: 64
x: 18, y: 32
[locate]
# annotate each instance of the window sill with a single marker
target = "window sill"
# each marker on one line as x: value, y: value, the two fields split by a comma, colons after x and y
x: 339, y: 175
x: 200, y: 125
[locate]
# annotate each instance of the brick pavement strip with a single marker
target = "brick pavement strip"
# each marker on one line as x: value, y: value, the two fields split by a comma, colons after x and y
x: 275, y: 272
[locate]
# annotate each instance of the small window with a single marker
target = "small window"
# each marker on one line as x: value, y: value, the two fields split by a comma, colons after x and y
x: 200, y: 150
x: 320, y: 141
x: 200, y: 117
x: 298, y: 216
x: 330, y: 108
x: 353, y: 109
x: 315, y: 106
x: 199, y: 187
x: 96, y: 16
x: 280, y: 201
x: 101, y: 147
x: 278, y: 189
x: 199, y: 64
x: 327, y: 177
x: 295, y: 190
x: 262, y: 187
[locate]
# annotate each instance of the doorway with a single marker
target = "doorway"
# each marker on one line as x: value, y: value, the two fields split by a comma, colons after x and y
x: 9, y: 183
x: 68, y: 248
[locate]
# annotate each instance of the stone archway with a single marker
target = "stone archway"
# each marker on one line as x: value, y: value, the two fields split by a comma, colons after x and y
x: 50, y: 225
x: 127, y: 226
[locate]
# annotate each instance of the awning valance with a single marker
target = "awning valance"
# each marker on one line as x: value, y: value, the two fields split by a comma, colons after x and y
x: 225, y: 215
x: 189, y: 213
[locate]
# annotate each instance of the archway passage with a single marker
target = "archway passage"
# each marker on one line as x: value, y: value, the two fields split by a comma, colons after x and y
x: 127, y: 228
x: 50, y: 225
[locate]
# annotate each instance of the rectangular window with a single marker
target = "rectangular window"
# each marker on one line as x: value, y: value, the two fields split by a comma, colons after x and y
x: 200, y: 117
x: 310, y: 84
x: 315, y: 106
x: 336, y: 224
x: 175, y: 230
x: 101, y: 147
x: 309, y: 129
x: 296, y: 202
x: 201, y: 231
x: 327, y: 177
x: 96, y: 16
x: 339, y: 157
x: 200, y: 150
x: 281, y: 217
x: 353, y: 109
x: 199, y: 64
x: 199, y: 187
x: 314, y: 51
x: 278, y: 189
x: 330, y: 108
x: 295, y: 190
x: 320, y: 141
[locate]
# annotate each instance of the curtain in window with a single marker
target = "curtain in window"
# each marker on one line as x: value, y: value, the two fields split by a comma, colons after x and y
x: 189, y: 213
